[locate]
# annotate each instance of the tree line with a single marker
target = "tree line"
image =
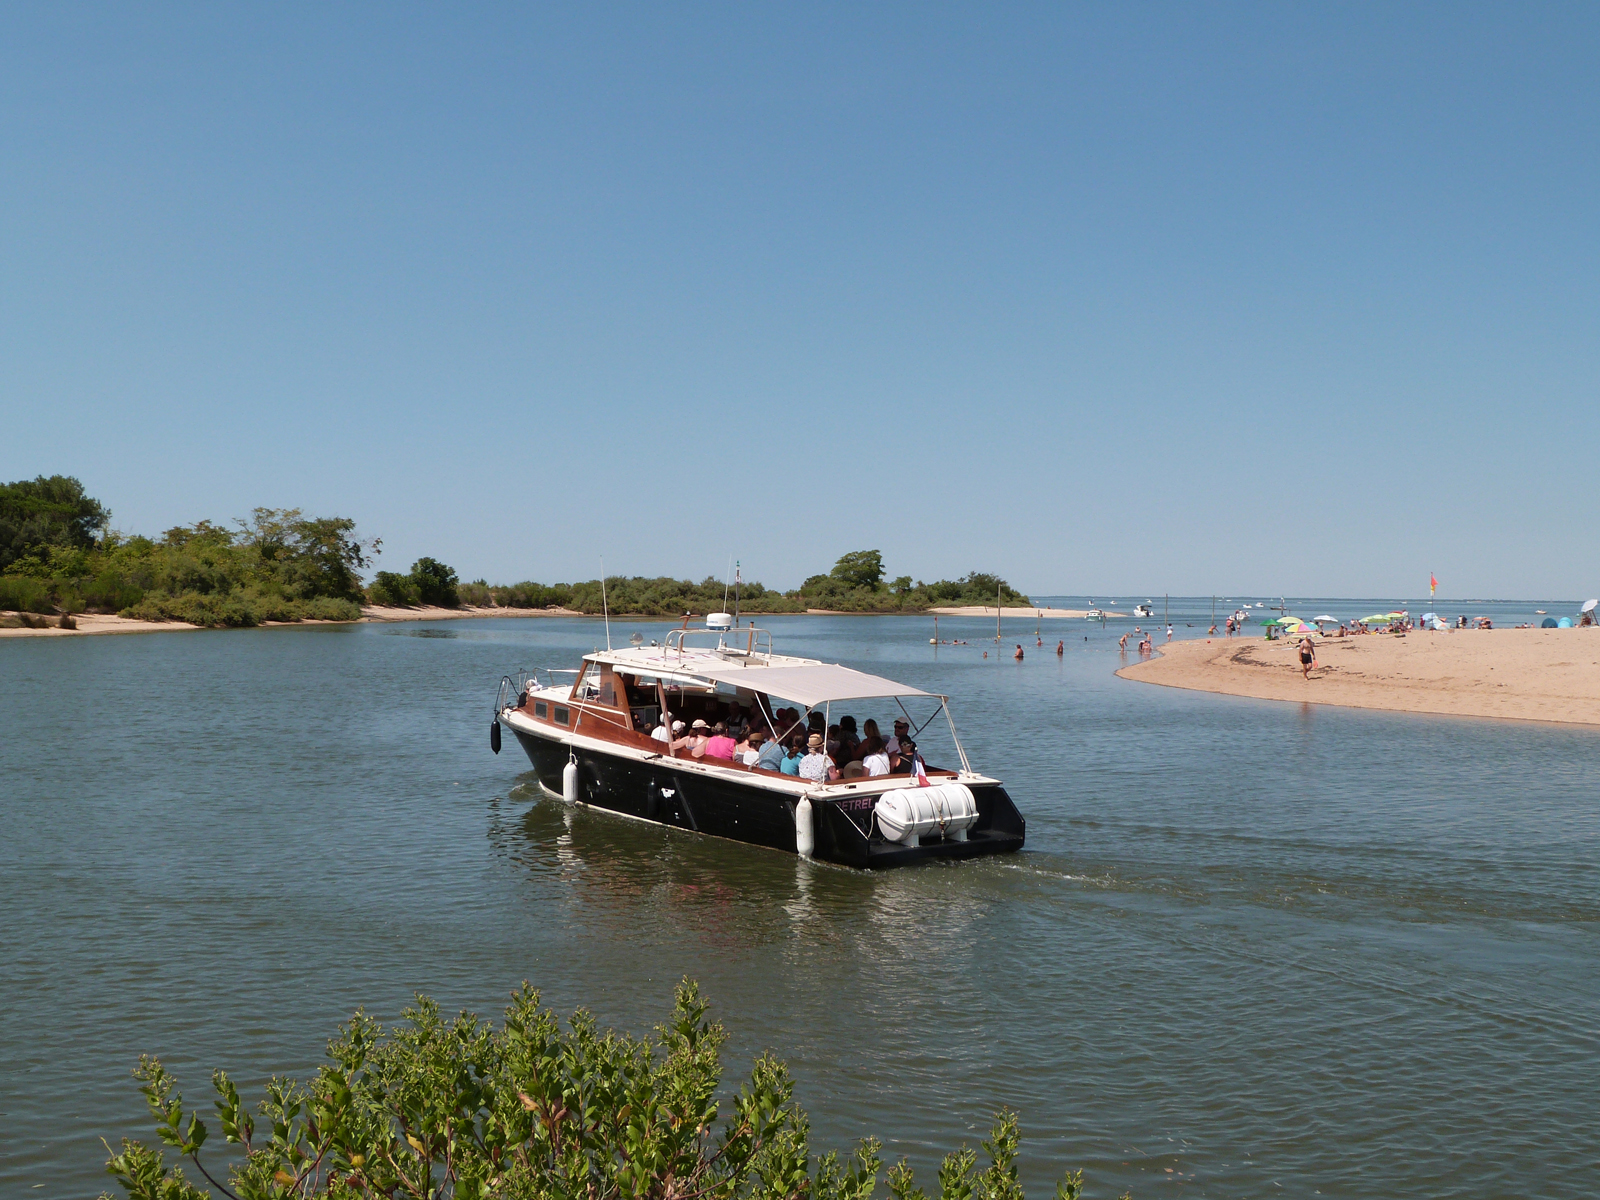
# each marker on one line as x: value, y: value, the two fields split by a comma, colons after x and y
x: 856, y: 583
x: 59, y: 556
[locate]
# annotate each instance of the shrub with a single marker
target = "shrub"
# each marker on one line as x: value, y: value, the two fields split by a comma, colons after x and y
x: 441, y: 1108
x: 435, y: 583
x: 67, y: 622
x: 391, y: 588
x: 25, y: 594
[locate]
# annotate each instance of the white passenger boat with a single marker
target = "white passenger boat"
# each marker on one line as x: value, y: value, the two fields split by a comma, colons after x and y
x: 1144, y: 610
x: 590, y: 743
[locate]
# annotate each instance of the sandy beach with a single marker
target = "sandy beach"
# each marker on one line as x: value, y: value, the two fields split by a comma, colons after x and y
x: 97, y: 623
x: 1514, y: 674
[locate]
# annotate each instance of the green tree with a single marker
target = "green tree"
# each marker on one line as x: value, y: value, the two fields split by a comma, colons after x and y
x: 901, y: 585
x: 462, y: 1110
x: 47, y: 511
x: 859, y: 568
x: 435, y: 583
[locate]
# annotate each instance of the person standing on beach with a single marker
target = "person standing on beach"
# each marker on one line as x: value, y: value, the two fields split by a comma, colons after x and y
x: 1308, y: 657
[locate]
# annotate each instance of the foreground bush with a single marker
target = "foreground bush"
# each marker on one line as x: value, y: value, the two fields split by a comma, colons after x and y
x: 437, y: 1108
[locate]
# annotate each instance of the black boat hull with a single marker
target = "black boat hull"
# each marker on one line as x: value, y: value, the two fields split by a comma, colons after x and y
x: 654, y: 790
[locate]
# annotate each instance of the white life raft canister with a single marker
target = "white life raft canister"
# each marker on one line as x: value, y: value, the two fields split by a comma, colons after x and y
x: 907, y: 814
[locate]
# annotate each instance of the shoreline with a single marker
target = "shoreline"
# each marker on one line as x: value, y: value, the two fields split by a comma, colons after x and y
x: 93, y: 624
x: 1549, y: 675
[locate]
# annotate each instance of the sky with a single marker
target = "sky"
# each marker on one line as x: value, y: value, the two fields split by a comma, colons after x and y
x: 1104, y: 299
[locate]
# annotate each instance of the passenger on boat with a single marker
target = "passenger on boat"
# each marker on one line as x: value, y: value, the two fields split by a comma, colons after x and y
x: 736, y: 722
x: 902, y: 730
x: 910, y: 761
x: 848, y: 740
x: 749, y: 752
x: 793, y: 753
x: 719, y: 744
x: 874, y: 758
x: 695, y: 741
x: 662, y: 734
x: 770, y: 755
x: 816, y: 765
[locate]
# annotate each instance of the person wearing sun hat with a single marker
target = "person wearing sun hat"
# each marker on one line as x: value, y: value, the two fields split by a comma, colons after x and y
x: 816, y: 765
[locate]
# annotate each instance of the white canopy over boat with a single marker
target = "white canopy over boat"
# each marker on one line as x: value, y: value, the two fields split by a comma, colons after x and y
x: 803, y: 680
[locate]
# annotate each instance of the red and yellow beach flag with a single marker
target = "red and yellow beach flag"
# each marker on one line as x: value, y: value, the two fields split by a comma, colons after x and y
x: 1433, y: 585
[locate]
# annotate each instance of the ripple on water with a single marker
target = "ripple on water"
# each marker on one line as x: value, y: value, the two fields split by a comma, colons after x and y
x: 1252, y: 949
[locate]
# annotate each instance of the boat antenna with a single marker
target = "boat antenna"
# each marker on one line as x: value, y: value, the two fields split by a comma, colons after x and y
x: 737, y: 583
x: 604, y: 607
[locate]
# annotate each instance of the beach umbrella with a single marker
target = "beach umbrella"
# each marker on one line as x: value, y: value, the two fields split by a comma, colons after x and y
x: 1326, y: 620
x: 1430, y: 616
x: 1377, y: 619
x: 1548, y: 623
x: 1588, y: 605
x: 1396, y: 616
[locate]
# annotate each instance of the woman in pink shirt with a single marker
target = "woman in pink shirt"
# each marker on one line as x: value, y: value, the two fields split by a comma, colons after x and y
x: 720, y: 745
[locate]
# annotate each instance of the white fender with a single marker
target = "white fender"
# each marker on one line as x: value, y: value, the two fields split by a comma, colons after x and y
x: 805, y: 838
x: 569, y: 782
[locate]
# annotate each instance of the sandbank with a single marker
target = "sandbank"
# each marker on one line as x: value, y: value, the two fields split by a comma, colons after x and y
x: 1512, y: 674
x: 978, y: 610
x: 377, y: 612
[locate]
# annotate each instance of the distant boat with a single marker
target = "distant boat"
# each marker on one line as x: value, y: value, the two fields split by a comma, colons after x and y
x: 1094, y: 614
x: 1144, y: 610
x: 1540, y: 611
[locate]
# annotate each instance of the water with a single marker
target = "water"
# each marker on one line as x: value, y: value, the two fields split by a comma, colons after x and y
x: 1252, y: 949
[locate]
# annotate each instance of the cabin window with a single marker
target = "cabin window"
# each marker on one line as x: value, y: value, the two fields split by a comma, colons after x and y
x: 541, y: 709
x: 597, y: 685
x: 563, y: 715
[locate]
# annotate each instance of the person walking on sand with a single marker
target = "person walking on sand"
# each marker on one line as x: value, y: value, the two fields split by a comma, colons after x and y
x: 1308, y: 657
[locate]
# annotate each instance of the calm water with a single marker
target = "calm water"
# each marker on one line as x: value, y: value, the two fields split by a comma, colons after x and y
x: 1251, y: 950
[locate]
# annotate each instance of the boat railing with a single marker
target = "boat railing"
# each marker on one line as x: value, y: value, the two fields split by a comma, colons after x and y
x: 513, y: 687
x: 757, y: 642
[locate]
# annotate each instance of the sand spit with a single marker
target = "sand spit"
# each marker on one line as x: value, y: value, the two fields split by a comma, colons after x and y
x: 89, y: 623
x: 976, y: 610
x: 375, y: 612
x: 1514, y: 674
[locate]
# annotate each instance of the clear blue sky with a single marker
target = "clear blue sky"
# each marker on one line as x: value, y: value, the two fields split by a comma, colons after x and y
x: 1155, y: 298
